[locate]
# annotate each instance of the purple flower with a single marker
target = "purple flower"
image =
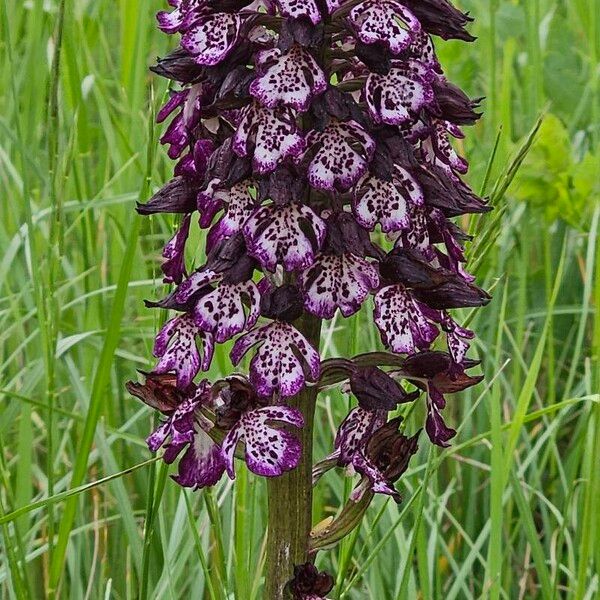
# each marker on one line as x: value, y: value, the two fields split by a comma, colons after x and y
x: 334, y: 282
x: 386, y: 22
x: 343, y: 153
x: 270, y: 135
x: 212, y: 37
x: 403, y: 321
x: 221, y: 312
x: 387, y: 202
x: 268, y: 451
x: 288, y: 235
x: 437, y: 430
x: 176, y: 346
x: 291, y: 79
x: 354, y: 433
x: 237, y: 203
x: 383, y: 460
x: 178, y: 135
x: 185, y: 428
x: 284, y: 359
x: 397, y: 97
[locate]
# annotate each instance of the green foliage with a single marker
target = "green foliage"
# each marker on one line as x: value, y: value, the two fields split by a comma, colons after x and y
x: 555, y: 180
x: 510, y: 511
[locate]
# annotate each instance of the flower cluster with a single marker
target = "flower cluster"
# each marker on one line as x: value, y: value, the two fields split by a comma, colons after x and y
x: 313, y: 142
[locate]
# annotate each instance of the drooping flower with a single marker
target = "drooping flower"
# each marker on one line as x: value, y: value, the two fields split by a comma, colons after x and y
x: 185, y: 428
x: 384, y: 459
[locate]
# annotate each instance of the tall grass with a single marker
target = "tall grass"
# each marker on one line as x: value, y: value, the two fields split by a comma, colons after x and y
x: 509, y: 511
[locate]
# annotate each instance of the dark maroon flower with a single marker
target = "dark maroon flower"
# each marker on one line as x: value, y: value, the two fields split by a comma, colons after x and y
x: 376, y: 390
x: 309, y: 584
x: 384, y: 459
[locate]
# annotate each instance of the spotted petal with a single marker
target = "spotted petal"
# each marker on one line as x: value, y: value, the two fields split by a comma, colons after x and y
x: 283, y: 361
x: 238, y: 203
x: 377, y: 481
x: 417, y: 237
x: 212, y: 37
x: 388, y: 203
x: 222, y: 312
x: 384, y: 21
x: 291, y: 79
x: 290, y: 235
x: 401, y: 321
x: 194, y: 283
x: 440, y: 150
x: 269, y: 451
x: 175, y: 432
x: 334, y: 282
x: 344, y: 152
x: 202, y: 465
x: 177, y: 350
x: 170, y: 22
x: 457, y: 337
x: 271, y: 134
x: 296, y: 9
x: 355, y: 431
x: 397, y: 97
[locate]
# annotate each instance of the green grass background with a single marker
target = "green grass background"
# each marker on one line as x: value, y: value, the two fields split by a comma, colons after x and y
x: 510, y: 511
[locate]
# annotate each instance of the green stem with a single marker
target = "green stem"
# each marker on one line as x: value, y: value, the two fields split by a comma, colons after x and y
x: 290, y: 496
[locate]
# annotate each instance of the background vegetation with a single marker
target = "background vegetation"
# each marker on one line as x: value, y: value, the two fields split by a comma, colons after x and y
x: 510, y: 511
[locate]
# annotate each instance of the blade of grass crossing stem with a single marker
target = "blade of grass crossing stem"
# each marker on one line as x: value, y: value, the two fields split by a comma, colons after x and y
x: 537, y: 552
x: 590, y: 518
x: 528, y: 388
x: 403, y: 592
x: 200, y: 550
x: 156, y: 488
x: 102, y: 374
x: 39, y: 504
x: 494, y: 559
